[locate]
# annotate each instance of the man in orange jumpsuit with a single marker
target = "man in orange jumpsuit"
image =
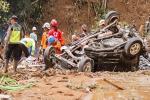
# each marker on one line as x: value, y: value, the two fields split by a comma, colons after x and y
x: 46, y: 28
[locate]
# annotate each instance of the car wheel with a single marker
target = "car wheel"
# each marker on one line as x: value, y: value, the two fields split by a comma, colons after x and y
x: 133, y: 47
x: 111, y: 16
x: 86, y: 65
x: 49, y: 56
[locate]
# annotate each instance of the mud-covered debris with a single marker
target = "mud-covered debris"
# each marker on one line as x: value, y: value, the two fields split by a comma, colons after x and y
x: 5, y: 97
x: 68, y: 94
x: 113, y: 84
x: 144, y: 63
x: 86, y: 85
x: 62, y: 81
x: 30, y: 62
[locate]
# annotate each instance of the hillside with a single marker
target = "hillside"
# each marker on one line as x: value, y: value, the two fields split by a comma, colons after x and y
x: 73, y: 13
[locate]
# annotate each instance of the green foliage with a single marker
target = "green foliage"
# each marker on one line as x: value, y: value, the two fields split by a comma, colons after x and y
x: 28, y: 11
x: 4, y: 9
x: 99, y: 10
x: 4, y: 6
x: 9, y: 84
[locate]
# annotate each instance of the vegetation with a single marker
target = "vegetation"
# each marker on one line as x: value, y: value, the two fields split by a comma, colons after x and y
x: 36, y: 12
x: 4, y: 9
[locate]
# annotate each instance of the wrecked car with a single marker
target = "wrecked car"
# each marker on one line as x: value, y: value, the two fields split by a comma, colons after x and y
x: 121, y: 50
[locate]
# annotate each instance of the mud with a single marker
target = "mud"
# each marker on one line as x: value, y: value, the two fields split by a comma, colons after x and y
x: 56, y: 84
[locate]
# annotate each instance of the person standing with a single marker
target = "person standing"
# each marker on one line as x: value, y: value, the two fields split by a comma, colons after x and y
x: 12, y: 48
x: 54, y: 31
x: 46, y: 28
x: 147, y: 26
x: 84, y: 31
x: 33, y: 36
x: 102, y: 24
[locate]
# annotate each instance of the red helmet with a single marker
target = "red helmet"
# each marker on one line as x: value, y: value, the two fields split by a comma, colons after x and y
x: 54, y: 23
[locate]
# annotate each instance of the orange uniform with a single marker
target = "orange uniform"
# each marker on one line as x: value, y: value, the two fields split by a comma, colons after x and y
x: 43, y: 41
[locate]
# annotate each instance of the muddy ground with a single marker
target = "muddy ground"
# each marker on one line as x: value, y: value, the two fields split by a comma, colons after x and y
x: 69, y: 85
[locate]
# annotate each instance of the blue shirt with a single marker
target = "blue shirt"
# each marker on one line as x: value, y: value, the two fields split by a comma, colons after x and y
x: 33, y: 36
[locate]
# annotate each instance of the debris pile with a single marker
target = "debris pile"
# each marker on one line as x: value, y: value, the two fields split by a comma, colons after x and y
x: 144, y: 63
x: 30, y: 62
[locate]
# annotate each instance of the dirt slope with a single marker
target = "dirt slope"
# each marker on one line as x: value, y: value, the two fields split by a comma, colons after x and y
x: 131, y: 10
x: 71, y: 16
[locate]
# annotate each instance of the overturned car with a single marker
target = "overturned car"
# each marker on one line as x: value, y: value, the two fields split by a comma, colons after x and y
x: 122, y: 50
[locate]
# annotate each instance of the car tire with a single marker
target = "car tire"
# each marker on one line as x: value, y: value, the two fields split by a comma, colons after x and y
x: 111, y: 16
x: 86, y: 65
x: 133, y: 47
x: 49, y: 52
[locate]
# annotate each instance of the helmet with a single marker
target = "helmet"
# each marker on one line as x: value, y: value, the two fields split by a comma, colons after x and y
x: 46, y: 25
x: 51, y: 39
x: 34, y: 29
x: 54, y: 23
x: 101, y: 22
x: 14, y: 17
x: 84, y: 27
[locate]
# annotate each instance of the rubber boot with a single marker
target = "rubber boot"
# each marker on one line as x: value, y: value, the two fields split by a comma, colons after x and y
x: 15, y: 66
x: 6, y: 66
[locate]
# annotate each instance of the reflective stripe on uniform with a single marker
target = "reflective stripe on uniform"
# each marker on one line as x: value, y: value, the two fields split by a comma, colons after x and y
x: 15, y: 35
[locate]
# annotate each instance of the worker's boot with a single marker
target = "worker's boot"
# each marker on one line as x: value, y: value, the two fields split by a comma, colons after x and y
x: 15, y: 66
x: 6, y: 66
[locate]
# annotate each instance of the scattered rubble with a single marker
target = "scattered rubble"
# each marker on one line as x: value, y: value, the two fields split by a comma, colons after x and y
x: 5, y: 97
x: 144, y: 63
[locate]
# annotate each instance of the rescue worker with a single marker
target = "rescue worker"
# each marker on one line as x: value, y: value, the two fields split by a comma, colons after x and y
x: 29, y: 43
x: 27, y: 34
x: 84, y: 32
x: 147, y: 26
x: 55, y: 43
x: 14, y: 35
x: 147, y: 34
x: 54, y: 31
x: 101, y: 26
x: 46, y: 28
x: 75, y: 38
x: 33, y: 36
x: 141, y: 30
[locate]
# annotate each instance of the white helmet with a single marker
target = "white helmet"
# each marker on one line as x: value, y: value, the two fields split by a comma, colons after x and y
x: 34, y: 29
x: 47, y: 25
x: 101, y: 22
